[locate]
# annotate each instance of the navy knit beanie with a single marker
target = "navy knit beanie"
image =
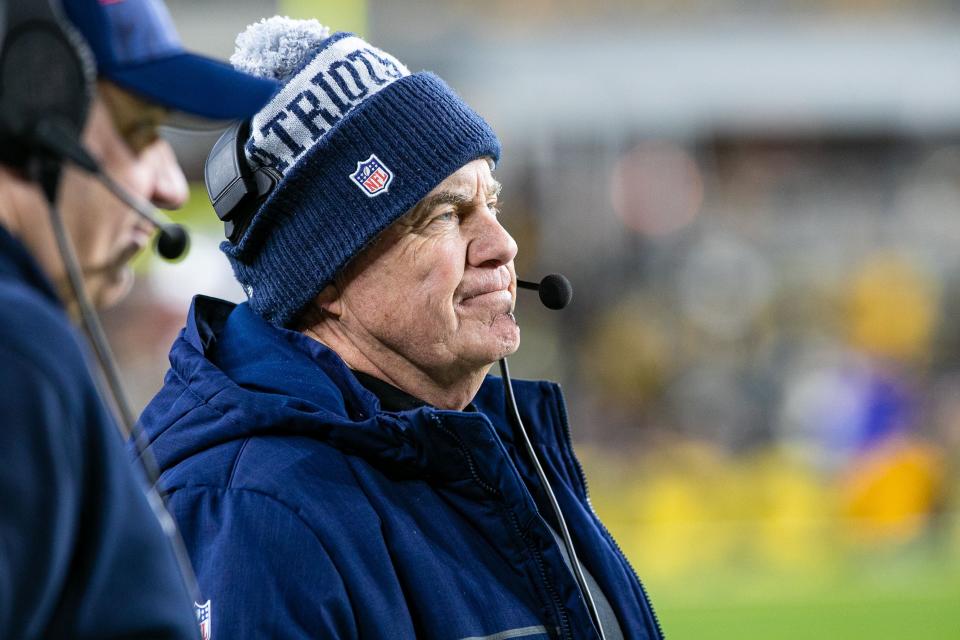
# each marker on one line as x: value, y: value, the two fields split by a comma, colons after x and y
x: 358, y: 141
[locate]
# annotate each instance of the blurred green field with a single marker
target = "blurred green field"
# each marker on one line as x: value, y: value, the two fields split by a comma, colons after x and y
x: 919, y: 605
x: 762, y: 549
x: 824, y: 618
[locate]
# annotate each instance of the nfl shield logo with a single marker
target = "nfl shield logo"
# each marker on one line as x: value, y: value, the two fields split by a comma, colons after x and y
x: 372, y: 176
x: 203, y: 618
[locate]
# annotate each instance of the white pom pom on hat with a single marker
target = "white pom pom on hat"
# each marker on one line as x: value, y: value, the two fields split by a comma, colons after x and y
x: 276, y: 47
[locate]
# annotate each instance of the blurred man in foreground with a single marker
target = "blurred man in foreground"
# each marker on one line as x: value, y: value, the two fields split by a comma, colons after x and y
x: 339, y: 462
x: 82, y: 554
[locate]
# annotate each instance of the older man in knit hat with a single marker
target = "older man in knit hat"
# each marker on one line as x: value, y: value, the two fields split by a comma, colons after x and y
x: 338, y: 460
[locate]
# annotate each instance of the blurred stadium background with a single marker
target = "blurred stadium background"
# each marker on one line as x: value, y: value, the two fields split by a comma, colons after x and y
x: 758, y: 204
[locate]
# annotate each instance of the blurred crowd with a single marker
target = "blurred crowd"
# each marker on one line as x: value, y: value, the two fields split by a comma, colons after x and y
x: 768, y: 338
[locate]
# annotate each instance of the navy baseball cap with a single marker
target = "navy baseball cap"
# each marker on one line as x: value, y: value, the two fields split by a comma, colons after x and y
x: 137, y: 47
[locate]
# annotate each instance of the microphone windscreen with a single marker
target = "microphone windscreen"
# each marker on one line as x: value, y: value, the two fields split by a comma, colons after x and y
x: 172, y: 241
x: 556, y: 292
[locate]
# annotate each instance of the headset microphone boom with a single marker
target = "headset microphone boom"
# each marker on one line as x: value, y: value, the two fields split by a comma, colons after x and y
x: 556, y: 292
x: 55, y: 140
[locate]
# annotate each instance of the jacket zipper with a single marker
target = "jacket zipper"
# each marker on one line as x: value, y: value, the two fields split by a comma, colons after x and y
x: 564, y: 629
x: 586, y: 491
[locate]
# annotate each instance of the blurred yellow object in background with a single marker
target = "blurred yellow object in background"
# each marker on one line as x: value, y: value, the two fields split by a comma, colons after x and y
x: 794, y: 517
x: 628, y: 354
x: 892, y: 308
x: 891, y: 491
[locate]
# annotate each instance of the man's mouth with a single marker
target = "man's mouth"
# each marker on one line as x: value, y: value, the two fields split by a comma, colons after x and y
x: 137, y: 243
x: 495, y: 281
x: 122, y: 256
x: 489, y: 297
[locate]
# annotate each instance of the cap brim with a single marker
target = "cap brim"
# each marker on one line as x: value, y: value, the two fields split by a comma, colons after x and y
x: 192, y: 144
x: 197, y: 85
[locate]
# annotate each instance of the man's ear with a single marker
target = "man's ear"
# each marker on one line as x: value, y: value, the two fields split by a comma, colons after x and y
x: 329, y: 301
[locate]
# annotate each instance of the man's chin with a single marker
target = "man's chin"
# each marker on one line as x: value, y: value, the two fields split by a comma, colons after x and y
x: 109, y: 289
x: 506, y: 337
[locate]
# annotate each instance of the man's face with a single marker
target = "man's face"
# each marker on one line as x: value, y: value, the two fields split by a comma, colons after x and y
x: 438, y: 287
x: 121, y: 133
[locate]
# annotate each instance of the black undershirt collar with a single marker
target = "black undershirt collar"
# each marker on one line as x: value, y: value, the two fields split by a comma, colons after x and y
x: 391, y: 398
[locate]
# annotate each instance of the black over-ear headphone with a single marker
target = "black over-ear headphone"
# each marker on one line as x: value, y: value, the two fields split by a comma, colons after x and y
x: 236, y: 190
x: 46, y: 82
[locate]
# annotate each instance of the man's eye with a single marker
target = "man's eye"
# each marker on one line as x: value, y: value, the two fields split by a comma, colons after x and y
x: 446, y: 216
x: 494, y: 207
x: 140, y: 135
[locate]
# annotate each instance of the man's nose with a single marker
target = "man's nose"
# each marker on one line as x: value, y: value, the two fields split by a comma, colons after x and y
x: 169, y: 186
x: 493, y: 245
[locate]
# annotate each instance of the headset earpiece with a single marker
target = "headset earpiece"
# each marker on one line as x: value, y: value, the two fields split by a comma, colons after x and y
x: 235, y: 190
x: 46, y: 79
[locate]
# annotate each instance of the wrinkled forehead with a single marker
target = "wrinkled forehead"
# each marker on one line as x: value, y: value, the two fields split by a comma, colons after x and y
x: 471, y: 183
x: 474, y: 177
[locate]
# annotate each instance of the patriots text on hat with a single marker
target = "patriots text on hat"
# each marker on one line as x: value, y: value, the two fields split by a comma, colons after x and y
x: 341, y: 75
